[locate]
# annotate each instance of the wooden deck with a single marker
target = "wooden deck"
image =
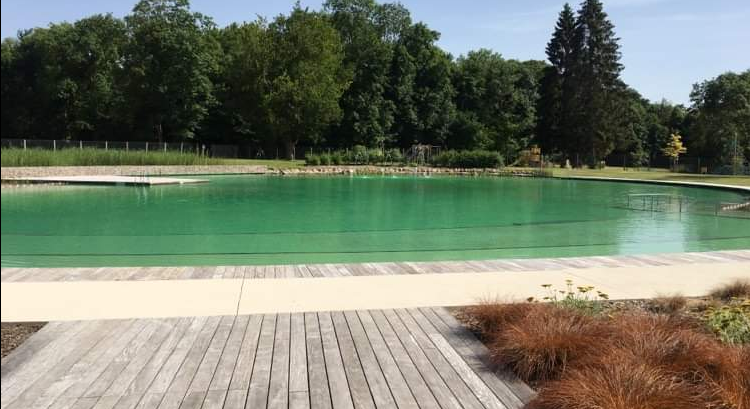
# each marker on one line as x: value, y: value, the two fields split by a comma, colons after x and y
x: 363, y: 269
x: 417, y: 358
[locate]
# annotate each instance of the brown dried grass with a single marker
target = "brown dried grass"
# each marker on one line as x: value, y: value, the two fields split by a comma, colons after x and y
x: 547, y: 340
x: 739, y: 288
x: 631, y: 360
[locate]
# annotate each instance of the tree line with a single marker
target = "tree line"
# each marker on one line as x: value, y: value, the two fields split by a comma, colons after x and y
x: 356, y: 72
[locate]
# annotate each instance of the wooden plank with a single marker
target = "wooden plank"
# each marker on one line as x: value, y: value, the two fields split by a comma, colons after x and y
x: 59, y: 382
x: 167, y: 372
x: 511, y: 390
x: 257, y: 396
x: 30, y: 388
x: 297, y: 355
x: 192, y: 400
x: 355, y: 375
x: 299, y: 400
x: 474, y: 382
x: 341, y: 397
x: 229, y: 357
x: 179, y: 387
x: 214, y: 399
x: 235, y: 399
x: 86, y: 370
x: 453, y: 379
x: 379, y: 389
x: 392, y: 370
x: 141, y: 383
x: 376, y: 321
x: 320, y: 395
x: 100, y: 364
x: 278, y: 391
x: 121, y: 360
x: 41, y: 362
x: 150, y: 401
x: 204, y: 375
x: 444, y: 396
x: 119, y: 386
x: 25, y: 352
x: 243, y: 369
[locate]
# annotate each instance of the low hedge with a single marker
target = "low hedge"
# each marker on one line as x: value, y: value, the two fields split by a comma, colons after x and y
x: 360, y: 155
x: 468, y: 159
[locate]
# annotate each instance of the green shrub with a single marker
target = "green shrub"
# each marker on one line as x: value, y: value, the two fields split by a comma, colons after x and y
x: 731, y: 323
x: 337, y: 158
x: 394, y: 156
x: 312, y: 159
x: 358, y: 155
x: 325, y: 159
x: 468, y: 159
x: 375, y: 156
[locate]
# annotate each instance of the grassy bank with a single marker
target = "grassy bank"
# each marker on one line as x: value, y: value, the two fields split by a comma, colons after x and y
x: 13, y: 157
x: 654, y: 174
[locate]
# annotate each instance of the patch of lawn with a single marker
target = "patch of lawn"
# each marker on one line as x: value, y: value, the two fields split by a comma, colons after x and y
x: 655, y: 174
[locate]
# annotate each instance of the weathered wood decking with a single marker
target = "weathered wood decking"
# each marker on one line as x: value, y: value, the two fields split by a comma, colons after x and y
x: 418, y: 358
x: 363, y: 269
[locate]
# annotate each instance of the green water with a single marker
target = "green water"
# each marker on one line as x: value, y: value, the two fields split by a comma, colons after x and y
x: 273, y: 220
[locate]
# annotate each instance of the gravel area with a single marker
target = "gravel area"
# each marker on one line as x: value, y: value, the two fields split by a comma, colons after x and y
x: 15, y: 333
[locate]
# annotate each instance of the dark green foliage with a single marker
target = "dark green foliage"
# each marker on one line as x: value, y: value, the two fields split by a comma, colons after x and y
x: 468, y: 159
x: 168, y: 65
x: 357, y: 73
x: 496, y: 100
x: 720, y: 119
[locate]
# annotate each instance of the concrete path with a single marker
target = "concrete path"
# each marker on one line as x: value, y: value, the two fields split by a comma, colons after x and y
x: 691, y: 275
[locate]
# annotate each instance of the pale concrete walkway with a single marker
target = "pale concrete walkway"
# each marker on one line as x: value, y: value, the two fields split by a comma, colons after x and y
x: 108, y: 180
x: 84, y: 300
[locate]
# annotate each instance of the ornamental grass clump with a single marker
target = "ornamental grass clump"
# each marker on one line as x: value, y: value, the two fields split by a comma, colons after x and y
x: 545, y: 342
x: 584, y: 357
x: 739, y: 288
x: 620, y: 384
x: 668, y: 304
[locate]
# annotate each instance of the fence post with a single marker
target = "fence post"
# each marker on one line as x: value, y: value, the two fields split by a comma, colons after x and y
x: 127, y: 146
x: 106, y: 145
x: 80, y: 145
x: 165, y: 147
x: 146, y: 146
x: 24, y: 144
x: 54, y: 145
x: 181, y: 143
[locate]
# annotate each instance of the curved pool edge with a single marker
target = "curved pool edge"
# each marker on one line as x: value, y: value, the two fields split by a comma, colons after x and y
x: 327, y: 270
x: 719, y: 186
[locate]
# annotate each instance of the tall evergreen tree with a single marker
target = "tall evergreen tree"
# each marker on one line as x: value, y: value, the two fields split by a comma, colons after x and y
x: 598, y: 99
x: 556, y: 92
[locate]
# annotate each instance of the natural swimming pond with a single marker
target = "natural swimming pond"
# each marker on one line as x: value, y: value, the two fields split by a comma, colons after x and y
x: 274, y: 220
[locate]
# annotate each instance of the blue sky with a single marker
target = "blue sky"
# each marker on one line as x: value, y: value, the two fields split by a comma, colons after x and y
x: 667, y: 45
